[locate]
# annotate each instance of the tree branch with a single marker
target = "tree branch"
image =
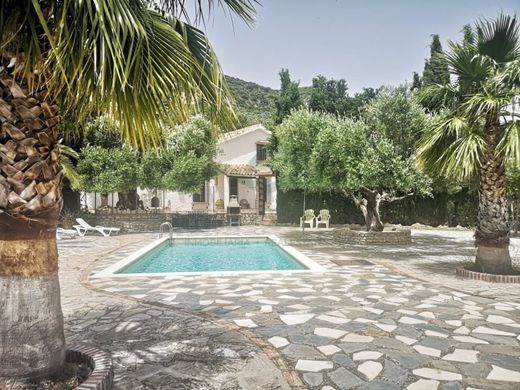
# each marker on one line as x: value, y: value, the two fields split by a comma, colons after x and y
x: 394, y: 198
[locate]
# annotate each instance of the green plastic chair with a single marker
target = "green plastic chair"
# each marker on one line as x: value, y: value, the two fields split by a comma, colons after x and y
x: 323, y: 218
x: 308, y: 218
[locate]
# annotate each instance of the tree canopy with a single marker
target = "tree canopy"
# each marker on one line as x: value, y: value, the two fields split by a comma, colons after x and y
x: 185, y: 162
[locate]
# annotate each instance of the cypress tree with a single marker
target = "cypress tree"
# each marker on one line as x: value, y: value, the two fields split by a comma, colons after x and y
x: 436, y: 68
x: 288, y: 97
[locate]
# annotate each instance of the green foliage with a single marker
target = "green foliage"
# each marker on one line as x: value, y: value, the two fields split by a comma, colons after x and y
x: 484, y: 88
x: 396, y: 114
x: 137, y: 61
x: 436, y: 68
x: 296, y: 137
x: 319, y: 152
x: 182, y: 165
x: 102, y: 132
x: 349, y: 156
x: 417, y: 82
x: 108, y: 170
x: 255, y: 103
x: 191, y: 149
x: 329, y: 96
x: 288, y: 97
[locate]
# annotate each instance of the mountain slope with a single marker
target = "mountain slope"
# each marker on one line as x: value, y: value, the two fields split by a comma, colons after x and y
x: 255, y: 103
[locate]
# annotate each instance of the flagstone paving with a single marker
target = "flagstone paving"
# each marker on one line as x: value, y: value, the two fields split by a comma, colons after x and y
x: 155, y: 347
x: 358, y: 325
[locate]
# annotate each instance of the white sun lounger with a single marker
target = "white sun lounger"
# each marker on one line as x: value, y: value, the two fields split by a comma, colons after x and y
x: 84, y: 227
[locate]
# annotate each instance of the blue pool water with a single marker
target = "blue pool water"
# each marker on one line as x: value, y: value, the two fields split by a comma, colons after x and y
x: 215, y: 255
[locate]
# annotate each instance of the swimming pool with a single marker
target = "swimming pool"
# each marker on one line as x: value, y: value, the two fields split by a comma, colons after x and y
x: 206, y: 255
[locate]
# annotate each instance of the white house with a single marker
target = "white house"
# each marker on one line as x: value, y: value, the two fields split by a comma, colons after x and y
x: 241, y: 156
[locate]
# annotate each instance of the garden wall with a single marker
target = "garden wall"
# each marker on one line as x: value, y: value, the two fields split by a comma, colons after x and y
x: 441, y: 209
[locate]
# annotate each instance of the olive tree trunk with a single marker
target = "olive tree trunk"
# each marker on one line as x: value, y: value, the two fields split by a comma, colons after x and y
x: 370, y: 208
x: 32, y: 345
x: 492, y: 233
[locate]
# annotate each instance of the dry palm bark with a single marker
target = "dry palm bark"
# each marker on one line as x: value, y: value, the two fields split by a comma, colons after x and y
x: 32, y: 343
x: 492, y: 234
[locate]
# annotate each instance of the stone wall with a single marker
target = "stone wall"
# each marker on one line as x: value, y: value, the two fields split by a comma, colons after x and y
x: 359, y: 237
x: 130, y: 222
x: 248, y: 217
x: 150, y: 222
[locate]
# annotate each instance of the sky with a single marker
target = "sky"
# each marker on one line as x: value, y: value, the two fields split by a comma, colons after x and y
x: 369, y: 43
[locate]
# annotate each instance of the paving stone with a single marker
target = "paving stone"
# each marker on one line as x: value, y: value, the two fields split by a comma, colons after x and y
x: 297, y: 351
x: 394, y: 373
x: 452, y: 386
x: 406, y: 340
x: 328, y: 349
x: 370, y: 369
x: 501, y: 374
x: 329, y: 332
x: 492, y: 331
x: 431, y: 373
x: 313, y: 365
x: 462, y: 330
x: 366, y: 355
x: 379, y: 385
x: 494, y: 319
x: 432, y: 333
x: 357, y: 338
x: 343, y: 360
x: 333, y: 319
x: 437, y: 343
x: 427, y: 350
x: 469, y: 339
x: 294, y: 319
x: 386, y: 327
x: 462, y: 355
x: 503, y: 361
x: 344, y: 379
x: 246, y: 323
x: 424, y: 384
x: 313, y: 379
x: 278, y: 342
x: 411, y: 321
x: 408, y: 360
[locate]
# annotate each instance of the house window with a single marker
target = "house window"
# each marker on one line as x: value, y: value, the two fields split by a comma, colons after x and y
x: 201, y: 196
x: 261, y: 152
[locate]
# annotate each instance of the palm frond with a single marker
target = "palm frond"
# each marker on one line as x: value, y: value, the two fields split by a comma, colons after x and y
x: 441, y: 138
x: 461, y: 160
x: 69, y: 170
x: 243, y: 9
x: 509, y: 145
x: 137, y: 66
x: 499, y: 38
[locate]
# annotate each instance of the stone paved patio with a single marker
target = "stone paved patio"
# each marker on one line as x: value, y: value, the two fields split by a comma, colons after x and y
x: 155, y: 347
x: 362, y: 324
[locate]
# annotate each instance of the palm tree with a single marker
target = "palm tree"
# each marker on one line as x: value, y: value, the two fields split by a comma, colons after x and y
x: 478, y: 132
x: 139, y: 61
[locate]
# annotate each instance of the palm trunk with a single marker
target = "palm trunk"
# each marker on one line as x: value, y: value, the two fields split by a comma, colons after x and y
x: 492, y: 234
x: 32, y: 345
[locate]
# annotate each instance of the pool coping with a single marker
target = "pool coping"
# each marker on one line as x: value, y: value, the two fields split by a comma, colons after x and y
x: 111, y: 271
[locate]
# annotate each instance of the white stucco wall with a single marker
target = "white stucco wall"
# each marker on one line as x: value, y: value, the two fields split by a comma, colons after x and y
x: 242, y: 149
x: 247, y: 191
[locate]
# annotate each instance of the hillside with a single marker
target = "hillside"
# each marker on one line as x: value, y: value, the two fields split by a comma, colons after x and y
x: 255, y: 102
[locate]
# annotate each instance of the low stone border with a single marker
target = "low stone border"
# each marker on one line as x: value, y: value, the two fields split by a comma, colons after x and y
x: 362, y: 237
x: 102, y: 371
x: 467, y: 274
